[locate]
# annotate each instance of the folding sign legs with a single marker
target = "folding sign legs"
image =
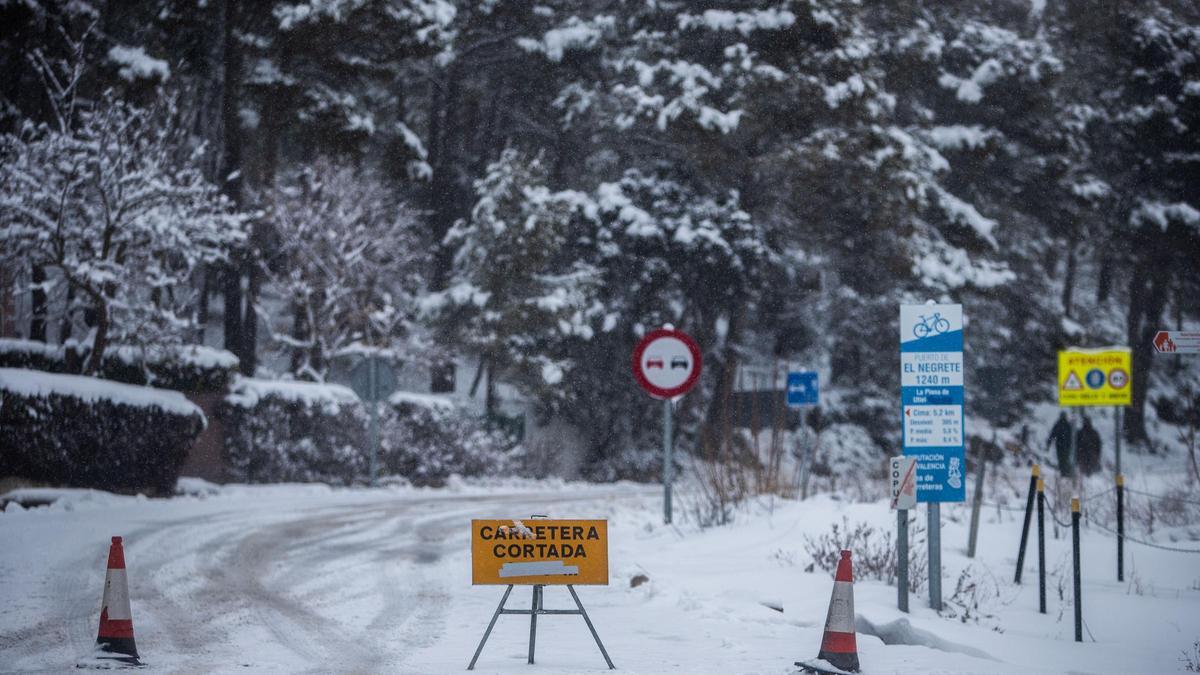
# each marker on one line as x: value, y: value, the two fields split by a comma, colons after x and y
x: 535, y: 609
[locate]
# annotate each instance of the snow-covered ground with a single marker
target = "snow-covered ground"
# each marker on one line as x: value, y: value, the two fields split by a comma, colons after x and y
x: 301, y: 578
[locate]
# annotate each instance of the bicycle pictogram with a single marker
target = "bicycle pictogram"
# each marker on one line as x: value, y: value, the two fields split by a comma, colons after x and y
x: 934, y: 324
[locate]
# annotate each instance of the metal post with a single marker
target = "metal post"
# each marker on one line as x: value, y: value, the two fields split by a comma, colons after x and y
x: 1120, y: 527
x: 1117, y: 437
x: 533, y: 614
x: 374, y: 387
x: 805, y: 457
x: 935, y: 556
x: 1033, y: 478
x: 1041, y: 509
x: 668, y: 461
x: 1075, y: 550
x: 976, y: 505
x: 592, y: 628
x: 902, y: 559
x: 487, y: 633
x: 1073, y: 469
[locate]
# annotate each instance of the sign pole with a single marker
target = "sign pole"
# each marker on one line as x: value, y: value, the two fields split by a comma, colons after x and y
x: 805, y: 455
x: 935, y: 556
x: 1117, y: 436
x: 902, y: 559
x: 374, y: 384
x: 668, y: 461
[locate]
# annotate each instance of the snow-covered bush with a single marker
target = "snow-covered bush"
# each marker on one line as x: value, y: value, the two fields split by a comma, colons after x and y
x: 278, y: 431
x: 88, y: 432
x: 190, y: 368
x: 875, y: 552
x: 426, y: 439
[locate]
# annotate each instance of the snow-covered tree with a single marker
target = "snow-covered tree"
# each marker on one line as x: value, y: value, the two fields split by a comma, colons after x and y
x: 515, y: 286
x: 116, y: 216
x: 349, y: 262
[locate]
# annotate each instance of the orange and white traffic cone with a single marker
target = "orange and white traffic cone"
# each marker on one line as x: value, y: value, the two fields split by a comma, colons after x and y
x: 114, y: 641
x: 839, y: 647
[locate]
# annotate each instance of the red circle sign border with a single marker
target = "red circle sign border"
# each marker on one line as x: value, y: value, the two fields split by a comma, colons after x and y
x: 640, y: 349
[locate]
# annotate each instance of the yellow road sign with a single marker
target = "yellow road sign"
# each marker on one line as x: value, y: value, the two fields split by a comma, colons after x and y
x: 1095, y: 377
x: 539, y: 551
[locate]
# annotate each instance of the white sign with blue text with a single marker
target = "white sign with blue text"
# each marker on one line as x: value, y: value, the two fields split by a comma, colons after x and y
x: 802, y: 389
x: 931, y: 397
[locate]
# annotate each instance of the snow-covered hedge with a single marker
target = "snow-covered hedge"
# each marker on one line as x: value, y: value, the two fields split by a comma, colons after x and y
x: 89, y: 432
x: 277, y: 431
x: 427, y: 438
x: 190, y: 368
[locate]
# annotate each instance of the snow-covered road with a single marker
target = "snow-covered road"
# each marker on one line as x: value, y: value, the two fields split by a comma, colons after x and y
x: 308, y: 579
x: 290, y: 579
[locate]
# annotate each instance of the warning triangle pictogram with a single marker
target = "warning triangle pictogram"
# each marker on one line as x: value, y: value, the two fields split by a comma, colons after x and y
x: 1072, y: 383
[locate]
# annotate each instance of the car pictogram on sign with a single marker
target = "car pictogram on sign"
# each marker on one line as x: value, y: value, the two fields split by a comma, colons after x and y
x: 654, y: 363
x: 679, y: 362
x: 1118, y: 378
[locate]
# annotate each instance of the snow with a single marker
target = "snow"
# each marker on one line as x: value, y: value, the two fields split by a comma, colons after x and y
x: 842, y: 91
x: 135, y: 64
x: 36, y: 383
x: 430, y: 401
x: 959, y: 137
x: 247, y: 391
x: 970, y: 90
x: 198, y: 356
x: 1162, y: 214
x: 964, y: 213
x: 291, y: 578
x: 552, y: 373
x: 742, y: 22
x: 577, y: 34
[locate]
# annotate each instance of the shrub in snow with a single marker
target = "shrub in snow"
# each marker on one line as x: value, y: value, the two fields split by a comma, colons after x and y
x: 426, y: 439
x: 88, y: 432
x: 190, y: 368
x: 874, y: 552
x: 278, y: 431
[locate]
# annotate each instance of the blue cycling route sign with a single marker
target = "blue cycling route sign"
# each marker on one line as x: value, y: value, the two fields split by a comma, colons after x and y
x: 931, y: 397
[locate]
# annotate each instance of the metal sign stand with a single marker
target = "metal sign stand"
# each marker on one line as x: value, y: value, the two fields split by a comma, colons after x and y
x: 668, y: 460
x: 535, y: 609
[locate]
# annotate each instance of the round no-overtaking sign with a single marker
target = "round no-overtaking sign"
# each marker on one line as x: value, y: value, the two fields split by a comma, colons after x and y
x: 666, y: 363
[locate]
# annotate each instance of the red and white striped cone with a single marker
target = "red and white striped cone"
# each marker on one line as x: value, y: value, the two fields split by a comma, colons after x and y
x: 114, y: 641
x: 839, y: 648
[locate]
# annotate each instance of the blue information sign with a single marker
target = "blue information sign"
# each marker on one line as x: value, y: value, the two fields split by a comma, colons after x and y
x: 931, y: 397
x: 802, y: 389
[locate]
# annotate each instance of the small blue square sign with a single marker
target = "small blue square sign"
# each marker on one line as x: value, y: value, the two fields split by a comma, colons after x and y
x: 802, y: 388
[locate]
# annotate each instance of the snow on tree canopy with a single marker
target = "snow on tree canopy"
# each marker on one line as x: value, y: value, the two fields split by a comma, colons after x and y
x: 1163, y: 214
x: 576, y: 34
x: 134, y: 64
x: 36, y: 383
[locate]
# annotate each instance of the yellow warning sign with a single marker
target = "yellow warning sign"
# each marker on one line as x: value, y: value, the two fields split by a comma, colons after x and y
x: 1095, y: 377
x: 539, y: 551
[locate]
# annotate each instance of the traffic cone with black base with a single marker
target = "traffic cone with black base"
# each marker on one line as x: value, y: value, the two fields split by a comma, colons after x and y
x: 114, y: 641
x: 839, y: 648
